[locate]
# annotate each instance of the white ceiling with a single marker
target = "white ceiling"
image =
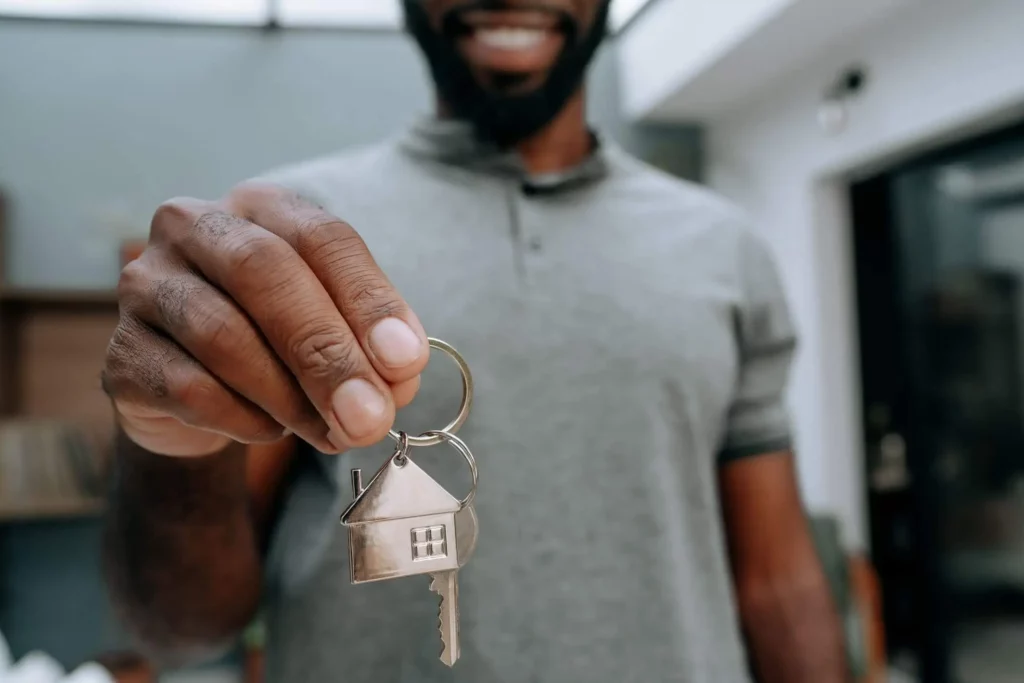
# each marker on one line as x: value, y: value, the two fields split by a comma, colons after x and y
x: 357, y: 13
x: 693, y: 60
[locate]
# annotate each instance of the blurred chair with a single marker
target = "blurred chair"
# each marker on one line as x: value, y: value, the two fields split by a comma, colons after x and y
x: 855, y: 589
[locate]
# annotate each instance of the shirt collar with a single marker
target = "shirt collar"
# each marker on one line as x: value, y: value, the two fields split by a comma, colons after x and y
x: 454, y: 143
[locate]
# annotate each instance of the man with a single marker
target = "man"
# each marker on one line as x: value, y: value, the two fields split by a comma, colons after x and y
x: 638, y: 509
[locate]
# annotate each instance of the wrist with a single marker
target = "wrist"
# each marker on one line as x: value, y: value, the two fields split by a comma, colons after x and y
x: 215, y: 480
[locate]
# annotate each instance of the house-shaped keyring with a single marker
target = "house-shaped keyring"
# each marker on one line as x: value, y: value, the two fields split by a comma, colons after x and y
x: 404, y: 523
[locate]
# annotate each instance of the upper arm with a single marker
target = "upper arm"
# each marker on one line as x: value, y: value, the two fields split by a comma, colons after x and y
x: 765, y: 522
x: 266, y: 468
x: 758, y: 421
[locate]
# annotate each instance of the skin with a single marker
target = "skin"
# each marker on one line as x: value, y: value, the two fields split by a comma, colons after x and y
x: 789, y: 618
x: 259, y: 317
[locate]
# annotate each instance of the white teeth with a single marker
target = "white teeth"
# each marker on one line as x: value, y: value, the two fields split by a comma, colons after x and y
x: 510, y: 38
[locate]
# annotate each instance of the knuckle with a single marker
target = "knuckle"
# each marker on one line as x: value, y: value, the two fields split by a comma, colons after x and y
x: 253, y: 254
x: 171, y: 300
x: 322, y: 232
x: 119, y: 365
x: 175, y: 218
x: 213, y: 326
x: 215, y: 225
x: 365, y: 291
x: 194, y: 394
x: 112, y: 378
x: 133, y: 281
x: 189, y: 307
x: 370, y: 296
x: 325, y: 353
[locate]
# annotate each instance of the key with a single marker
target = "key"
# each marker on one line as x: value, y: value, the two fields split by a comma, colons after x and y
x: 446, y: 585
x: 404, y: 523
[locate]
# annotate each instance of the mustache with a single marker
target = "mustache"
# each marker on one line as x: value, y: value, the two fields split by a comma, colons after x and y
x: 452, y: 23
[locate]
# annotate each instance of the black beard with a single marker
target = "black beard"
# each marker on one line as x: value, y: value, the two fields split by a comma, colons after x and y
x: 504, y: 119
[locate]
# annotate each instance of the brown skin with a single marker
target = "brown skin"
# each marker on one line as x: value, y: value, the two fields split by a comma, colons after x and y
x: 788, y: 614
x: 239, y: 325
x: 242, y: 318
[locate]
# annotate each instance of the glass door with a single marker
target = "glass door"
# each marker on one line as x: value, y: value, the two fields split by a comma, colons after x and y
x: 940, y: 250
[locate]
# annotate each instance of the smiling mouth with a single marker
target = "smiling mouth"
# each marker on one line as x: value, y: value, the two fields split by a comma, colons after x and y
x: 510, y: 41
x: 509, y: 38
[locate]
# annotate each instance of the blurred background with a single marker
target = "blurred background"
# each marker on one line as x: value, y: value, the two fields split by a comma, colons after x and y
x: 878, y: 144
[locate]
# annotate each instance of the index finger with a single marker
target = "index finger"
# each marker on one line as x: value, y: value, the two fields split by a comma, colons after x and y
x: 388, y: 330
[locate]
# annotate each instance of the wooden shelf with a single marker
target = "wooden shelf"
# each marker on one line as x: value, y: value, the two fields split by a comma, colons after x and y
x: 50, y: 509
x: 59, y: 297
x: 52, y: 345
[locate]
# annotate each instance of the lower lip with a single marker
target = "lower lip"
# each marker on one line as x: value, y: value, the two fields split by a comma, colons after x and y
x: 516, y: 54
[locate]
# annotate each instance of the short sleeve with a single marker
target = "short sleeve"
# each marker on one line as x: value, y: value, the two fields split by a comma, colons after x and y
x: 758, y: 420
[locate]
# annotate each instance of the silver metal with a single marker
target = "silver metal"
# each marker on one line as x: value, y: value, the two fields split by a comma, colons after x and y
x: 446, y: 585
x: 462, y: 448
x: 401, y: 455
x: 404, y: 523
x: 467, y: 399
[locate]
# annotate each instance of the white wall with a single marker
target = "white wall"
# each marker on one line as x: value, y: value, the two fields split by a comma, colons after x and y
x: 937, y: 70
x: 677, y: 39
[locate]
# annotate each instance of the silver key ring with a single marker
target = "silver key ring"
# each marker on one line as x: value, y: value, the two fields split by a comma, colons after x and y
x: 433, y: 438
x: 461, y: 447
x: 401, y: 457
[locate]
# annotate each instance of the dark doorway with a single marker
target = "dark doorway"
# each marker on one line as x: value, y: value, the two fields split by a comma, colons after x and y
x: 939, y: 245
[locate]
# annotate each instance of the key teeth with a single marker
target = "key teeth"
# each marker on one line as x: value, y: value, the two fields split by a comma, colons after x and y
x: 444, y: 644
x: 436, y: 586
x: 445, y: 656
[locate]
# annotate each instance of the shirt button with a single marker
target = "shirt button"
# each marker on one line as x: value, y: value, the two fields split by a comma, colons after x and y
x: 536, y: 244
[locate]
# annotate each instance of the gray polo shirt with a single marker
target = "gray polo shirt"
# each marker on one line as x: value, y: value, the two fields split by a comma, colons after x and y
x: 627, y: 333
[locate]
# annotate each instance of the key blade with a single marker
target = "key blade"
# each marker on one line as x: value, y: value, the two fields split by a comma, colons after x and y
x: 446, y: 585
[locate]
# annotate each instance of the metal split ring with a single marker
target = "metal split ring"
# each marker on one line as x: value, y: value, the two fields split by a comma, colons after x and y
x: 433, y: 438
x: 401, y: 455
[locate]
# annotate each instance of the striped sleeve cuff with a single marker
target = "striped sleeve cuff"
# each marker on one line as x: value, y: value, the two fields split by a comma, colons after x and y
x: 734, y: 453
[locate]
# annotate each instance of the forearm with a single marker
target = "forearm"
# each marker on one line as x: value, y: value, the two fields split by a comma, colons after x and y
x: 793, y: 631
x: 181, y: 553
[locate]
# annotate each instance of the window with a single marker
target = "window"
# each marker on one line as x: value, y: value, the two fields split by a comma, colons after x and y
x: 384, y: 13
x: 429, y: 543
x: 370, y: 13
x: 206, y: 11
x: 356, y: 13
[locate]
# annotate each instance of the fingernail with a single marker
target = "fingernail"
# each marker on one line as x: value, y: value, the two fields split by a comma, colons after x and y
x: 359, y: 407
x: 395, y: 344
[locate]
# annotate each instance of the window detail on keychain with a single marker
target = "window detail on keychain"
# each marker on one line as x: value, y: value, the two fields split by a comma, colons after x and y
x: 429, y: 543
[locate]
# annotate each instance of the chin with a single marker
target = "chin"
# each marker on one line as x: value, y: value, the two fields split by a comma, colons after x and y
x: 508, y: 82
